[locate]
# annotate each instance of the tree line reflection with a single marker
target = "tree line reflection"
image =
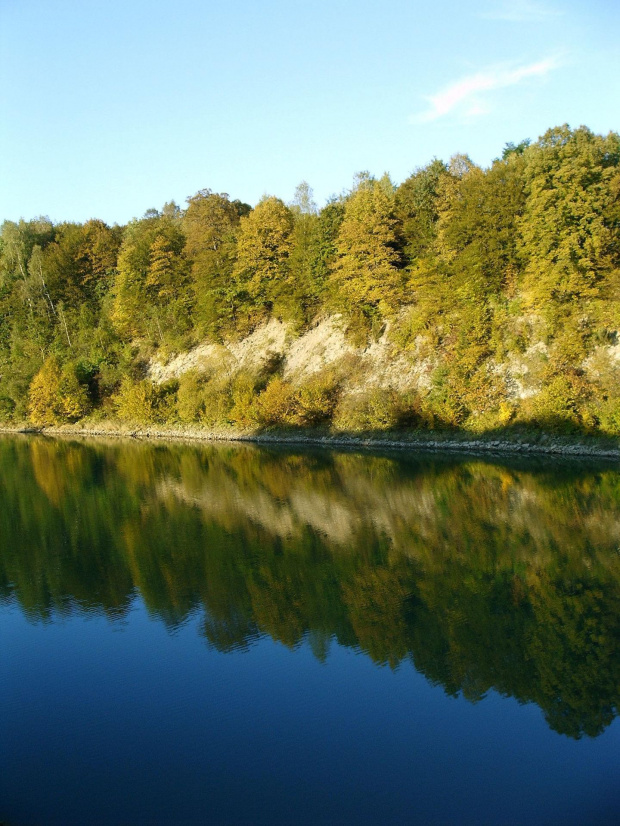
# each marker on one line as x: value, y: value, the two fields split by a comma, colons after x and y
x: 483, y: 575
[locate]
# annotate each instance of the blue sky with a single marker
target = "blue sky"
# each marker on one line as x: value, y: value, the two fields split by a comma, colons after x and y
x: 110, y: 108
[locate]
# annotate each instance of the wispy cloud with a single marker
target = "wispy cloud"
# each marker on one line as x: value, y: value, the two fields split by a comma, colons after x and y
x: 520, y: 11
x: 466, y: 95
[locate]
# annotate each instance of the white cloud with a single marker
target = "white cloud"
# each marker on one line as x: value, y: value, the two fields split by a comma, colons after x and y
x: 464, y: 95
x: 520, y: 11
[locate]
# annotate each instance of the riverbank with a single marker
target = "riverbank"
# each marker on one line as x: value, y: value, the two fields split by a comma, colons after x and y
x: 535, y: 443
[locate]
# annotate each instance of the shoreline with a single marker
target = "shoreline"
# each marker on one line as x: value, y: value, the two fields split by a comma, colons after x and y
x: 538, y: 444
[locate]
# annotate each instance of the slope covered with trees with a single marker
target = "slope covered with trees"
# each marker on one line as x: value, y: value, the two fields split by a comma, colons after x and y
x: 503, y: 282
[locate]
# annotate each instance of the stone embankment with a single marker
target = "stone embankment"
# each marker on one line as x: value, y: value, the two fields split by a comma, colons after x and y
x: 536, y: 444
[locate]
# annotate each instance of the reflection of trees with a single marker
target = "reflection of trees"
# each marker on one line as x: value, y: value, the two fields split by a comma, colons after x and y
x: 485, y: 576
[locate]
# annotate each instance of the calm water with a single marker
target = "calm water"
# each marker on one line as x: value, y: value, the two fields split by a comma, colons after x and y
x: 237, y: 635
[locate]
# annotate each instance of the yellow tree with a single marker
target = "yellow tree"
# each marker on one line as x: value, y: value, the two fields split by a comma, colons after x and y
x: 366, y: 271
x: 568, y: 231
x: 264, y: 246
x: 55, y: 395
x: 150, y: 293
x: 210, y: 224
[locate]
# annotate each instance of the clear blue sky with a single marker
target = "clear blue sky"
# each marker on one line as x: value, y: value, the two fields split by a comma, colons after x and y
x: 109, y: 108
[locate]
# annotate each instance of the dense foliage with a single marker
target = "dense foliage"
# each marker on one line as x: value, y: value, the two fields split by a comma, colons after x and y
x: 483, y: 273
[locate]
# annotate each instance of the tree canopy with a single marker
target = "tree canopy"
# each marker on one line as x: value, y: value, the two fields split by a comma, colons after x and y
x: 478, y: 272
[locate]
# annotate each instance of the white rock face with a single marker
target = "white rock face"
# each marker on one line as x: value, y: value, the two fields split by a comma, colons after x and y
x: 614, y: 353
x: 519, y: 372
x: 250, y: 353
x: 324, y: 345
x: 603, y: 360
x: 400, y: 371
x: 266, y: 342
x: 320, y: 347
x: 204, y: 357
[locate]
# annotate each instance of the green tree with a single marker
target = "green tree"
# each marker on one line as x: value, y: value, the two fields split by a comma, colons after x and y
x: 305, y: 288
x: 569, y: 228
x: 261, y: 272
x: 210, y: 224
x: 417, y: 209
x: 56, y: 396
x: 329, y: 222
x: 366, y: 271
x: 150, y: 294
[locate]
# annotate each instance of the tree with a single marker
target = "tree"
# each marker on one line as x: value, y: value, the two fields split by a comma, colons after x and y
x: 56, y: 396
x: 417, y: 208
x: 478, y: 227
x: 569, y: 228
x: 366, y: 271
x: 330, y: 220
x: 305, y: 287
x: 150, y: 293
x: 210, y: 224
x: 261, y: 271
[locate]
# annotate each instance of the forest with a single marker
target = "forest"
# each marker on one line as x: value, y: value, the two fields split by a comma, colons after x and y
x: 504, y: 282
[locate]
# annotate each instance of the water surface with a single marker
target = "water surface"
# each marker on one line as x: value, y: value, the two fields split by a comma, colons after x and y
x: 232, y: 634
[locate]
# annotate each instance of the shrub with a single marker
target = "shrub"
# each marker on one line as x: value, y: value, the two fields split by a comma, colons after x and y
x: 378, y: 409
x: 609, y: 417
x: 7, y: 409
x: 243, y: 396
x: 167, y: 402
x: 217, y: 402
x: 138, y: 401
x: 191, y: 396
x: 561, y: 404
x: 316, y: 401
x: 445, y: 407
x: 277, y: 404
x: 56, y: 396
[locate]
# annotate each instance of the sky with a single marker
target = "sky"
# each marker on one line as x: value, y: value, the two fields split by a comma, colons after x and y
x: 110, y: 108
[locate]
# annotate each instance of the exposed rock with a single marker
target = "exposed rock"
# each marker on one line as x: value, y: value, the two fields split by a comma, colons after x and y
x: 320, y: 347
x: 323, y: 346
x: 521, y: 372
x: 251, y: 353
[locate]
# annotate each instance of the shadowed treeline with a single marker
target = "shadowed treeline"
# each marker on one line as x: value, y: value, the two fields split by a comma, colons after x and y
x: 484, y: 576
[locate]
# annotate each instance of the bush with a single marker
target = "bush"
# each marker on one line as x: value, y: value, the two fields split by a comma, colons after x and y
x: 378, y: 409
x: 217, y: 402
x: 144, y: 402
x: 7, y: 409
x: 277, y: 404
x: 191, y: 396
x: 561, y: 404
x: 609, y: 417
x: 56, y: 396
x: 243, y: 396
x: 316, y: 401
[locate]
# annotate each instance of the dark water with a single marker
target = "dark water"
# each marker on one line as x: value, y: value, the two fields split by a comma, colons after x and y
x: 235, y: 635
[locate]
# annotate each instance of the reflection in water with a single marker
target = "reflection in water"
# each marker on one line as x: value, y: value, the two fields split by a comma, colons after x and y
x: 485, y: 576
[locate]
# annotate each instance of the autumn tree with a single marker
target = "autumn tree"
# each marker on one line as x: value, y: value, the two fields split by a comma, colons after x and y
x: 56, y: 396
x: 210, y: 224
x: 26, y: 324
x: 366, y: 270
x: 151, y: 295
x: 261, y: 272
x: 569, y: 228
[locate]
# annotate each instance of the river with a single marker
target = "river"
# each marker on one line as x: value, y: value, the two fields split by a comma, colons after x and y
x: 241, y: 634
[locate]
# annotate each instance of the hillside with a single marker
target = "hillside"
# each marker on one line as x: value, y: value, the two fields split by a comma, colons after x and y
x: 462, y: 299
